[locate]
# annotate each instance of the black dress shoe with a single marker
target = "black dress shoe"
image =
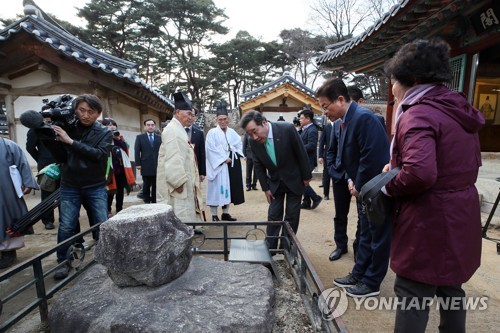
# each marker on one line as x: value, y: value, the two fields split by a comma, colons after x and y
x: 336, y: 254
x: 316, y: 203
x: 305, y: 206
x: 49, y: 226
x: 254, y: 187
x: 227, y: 217
x: 215, y: 218
x: 249, y: 188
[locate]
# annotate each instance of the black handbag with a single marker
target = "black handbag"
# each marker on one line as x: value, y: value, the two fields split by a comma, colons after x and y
x: 377, y: 205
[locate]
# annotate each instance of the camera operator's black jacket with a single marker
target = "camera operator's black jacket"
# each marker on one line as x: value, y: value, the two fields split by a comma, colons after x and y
x: 83, y: 164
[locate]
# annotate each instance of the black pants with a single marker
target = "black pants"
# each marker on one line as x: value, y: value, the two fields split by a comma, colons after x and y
x: 251, y: 179
x: 276, y: 210
x: 149, y: 189
x: 49, y: 216
x: 309, y: 196
x: 326, y: 180
x: 121, y: 182
x: 342, y: 203
x: 372, y: 259
x: 412, y: 319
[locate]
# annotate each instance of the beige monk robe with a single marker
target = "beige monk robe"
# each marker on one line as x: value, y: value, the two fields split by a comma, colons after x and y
x: 177, y: 166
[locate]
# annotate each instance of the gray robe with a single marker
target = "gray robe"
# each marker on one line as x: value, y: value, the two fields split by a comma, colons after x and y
x: 12, y: 207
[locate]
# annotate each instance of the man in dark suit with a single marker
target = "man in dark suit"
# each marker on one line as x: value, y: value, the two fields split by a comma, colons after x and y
x: 251, y: 177
x: 197, y: 139
x: 309, y: 137
x: 324, y: 140
x: 341, y: 194
x: 282, y: 167
x: 147, y: 146
x: 363, y: 151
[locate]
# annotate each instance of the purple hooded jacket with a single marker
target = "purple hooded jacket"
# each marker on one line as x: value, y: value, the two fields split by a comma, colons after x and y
x: 437, y: 222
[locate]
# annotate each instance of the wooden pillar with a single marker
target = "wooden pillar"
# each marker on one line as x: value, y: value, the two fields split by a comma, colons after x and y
x: 11, y: 117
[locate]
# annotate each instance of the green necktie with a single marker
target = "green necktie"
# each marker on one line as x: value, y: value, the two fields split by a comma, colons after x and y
x: 270, y: 150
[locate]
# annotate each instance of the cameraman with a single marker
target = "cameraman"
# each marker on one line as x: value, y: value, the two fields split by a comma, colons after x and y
x: 86, y: 147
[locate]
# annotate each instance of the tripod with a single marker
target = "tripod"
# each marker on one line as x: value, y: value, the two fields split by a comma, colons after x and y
x: 487, y: 224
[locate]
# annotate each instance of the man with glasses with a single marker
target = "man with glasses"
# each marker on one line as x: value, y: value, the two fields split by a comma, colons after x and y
x: 147, y: 146
x: 178, y: 178
x: 362, y: 151
x: 83, y: 153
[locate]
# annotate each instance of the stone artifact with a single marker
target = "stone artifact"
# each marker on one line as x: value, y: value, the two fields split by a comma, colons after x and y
x: 126, y: 294
x: 144, y: 244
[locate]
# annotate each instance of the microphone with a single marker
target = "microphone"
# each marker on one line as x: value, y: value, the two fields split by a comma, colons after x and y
x: 32, y: 119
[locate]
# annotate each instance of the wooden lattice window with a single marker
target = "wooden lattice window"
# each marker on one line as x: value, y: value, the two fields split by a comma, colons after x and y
x: 457, y: 65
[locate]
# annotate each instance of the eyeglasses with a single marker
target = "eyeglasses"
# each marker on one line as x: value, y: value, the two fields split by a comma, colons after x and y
x: 325, y: 108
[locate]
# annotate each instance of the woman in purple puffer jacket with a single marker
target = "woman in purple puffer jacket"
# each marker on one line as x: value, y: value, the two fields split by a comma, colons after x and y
x: 436, y: 242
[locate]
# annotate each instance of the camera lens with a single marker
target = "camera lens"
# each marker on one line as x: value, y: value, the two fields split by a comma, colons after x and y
x: 116, y: 133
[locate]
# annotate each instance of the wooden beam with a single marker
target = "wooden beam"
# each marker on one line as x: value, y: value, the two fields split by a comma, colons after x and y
x: 24, y: 71
x: 53, y: 88
x: 5, y: 86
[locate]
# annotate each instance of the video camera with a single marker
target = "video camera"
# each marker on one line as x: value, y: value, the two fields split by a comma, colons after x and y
x: 61, y: 112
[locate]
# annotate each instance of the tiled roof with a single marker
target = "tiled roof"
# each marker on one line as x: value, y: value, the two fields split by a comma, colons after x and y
x: 404, y: 22
x: 286, y: 78
x: 71, y: 47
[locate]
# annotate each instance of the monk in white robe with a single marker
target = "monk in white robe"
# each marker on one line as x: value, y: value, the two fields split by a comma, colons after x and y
x: 224, y: 150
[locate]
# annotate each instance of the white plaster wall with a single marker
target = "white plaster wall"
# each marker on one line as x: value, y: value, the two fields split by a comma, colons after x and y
x: 31, y: 80
x: 129, y: 124
x: 70, y: 77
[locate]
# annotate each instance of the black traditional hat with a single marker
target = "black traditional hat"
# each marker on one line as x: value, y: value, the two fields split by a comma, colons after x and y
x: 221, y: 109
x: 182, y: 102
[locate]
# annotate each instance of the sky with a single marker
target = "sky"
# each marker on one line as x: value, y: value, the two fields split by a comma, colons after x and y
x: 263, y: 19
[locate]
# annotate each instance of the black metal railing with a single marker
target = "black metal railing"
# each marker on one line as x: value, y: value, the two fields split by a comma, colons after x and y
x: 44, y: 290
x: 306, y: 279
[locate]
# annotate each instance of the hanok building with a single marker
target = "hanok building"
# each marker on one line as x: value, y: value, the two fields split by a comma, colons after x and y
x: 284, y: 96
x: 471, y: 27
x: 40, y: 60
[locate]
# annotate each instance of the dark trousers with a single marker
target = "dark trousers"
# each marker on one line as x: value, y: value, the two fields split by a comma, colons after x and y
x: 342, y: 202
x: 309, y: 195
x: 251, y: 178
x: 49, y: 216
x: 413, y: 319
x: 149, y: 189
x: 121, y: 182
x: 372, y: 258
x: 326, y: 180
x: 276, y: 210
